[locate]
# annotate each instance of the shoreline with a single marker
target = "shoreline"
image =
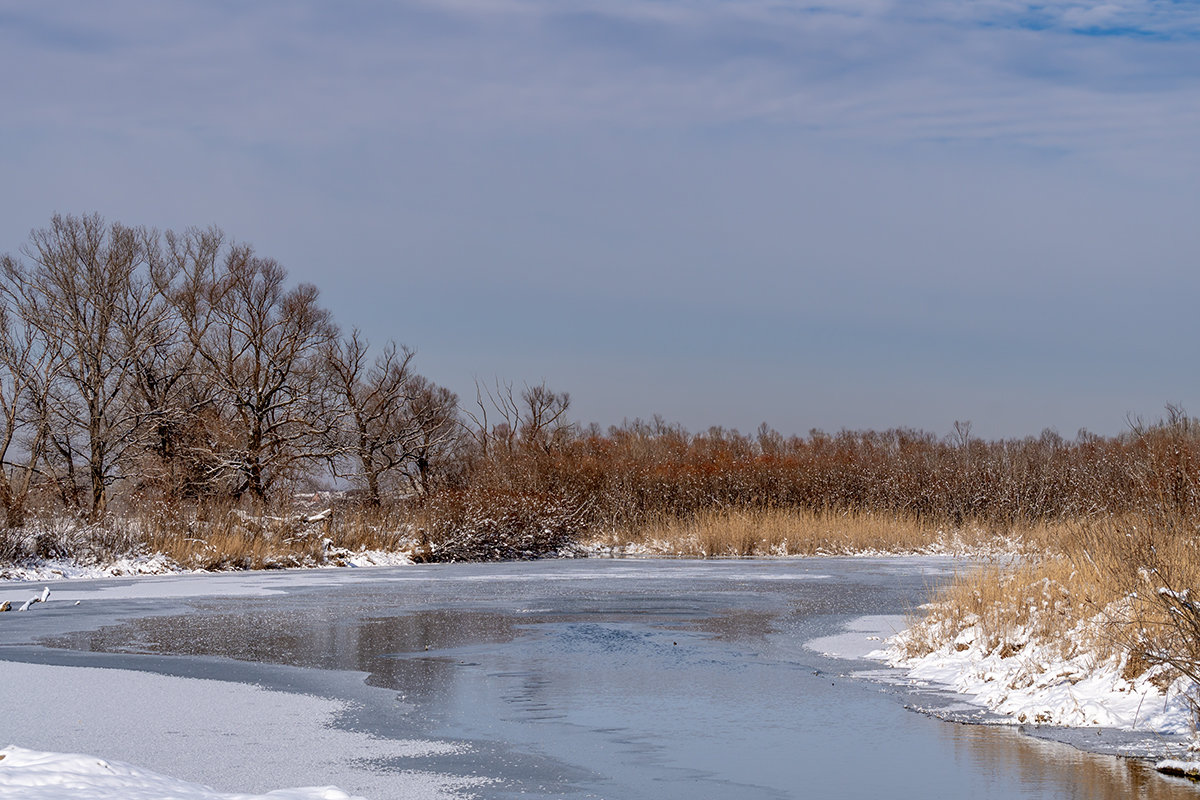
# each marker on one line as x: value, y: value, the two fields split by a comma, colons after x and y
x: 960, y: 687
x: 1057, y: 701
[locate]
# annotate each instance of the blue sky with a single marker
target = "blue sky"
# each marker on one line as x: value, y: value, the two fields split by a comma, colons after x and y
x: 843, y: 214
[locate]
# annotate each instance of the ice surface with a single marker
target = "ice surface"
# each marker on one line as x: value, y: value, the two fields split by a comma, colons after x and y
x: 233, y: 737
x: 37, y: 775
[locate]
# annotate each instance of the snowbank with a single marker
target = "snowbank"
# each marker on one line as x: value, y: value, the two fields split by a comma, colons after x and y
x: 39, y: 775
x: 366, y: 558
x: 1184, y: 769
x: 158, y: 564
x: 1032, y: 681
x: 60, y: 568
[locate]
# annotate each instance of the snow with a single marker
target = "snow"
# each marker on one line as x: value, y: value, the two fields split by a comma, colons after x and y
x: 859, y: 638
x: 1171, y: 766
x: 1036, y: 685
x: 367, y: 558
x: 947, y: 547
x: 157, y: 564
x: 41, y: 598
x: 39, y: 775
x: 60, y: 568
x: 1045, y: 683
x: 206, y: 733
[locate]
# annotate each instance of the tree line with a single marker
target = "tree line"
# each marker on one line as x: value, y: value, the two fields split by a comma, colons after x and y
x: 184, y: 368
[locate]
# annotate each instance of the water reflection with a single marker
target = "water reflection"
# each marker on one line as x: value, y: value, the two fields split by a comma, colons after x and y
x: 411, y: 653
x: 1004, y: 751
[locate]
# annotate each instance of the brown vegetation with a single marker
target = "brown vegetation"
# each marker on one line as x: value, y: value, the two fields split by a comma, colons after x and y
x: 798, y: 531
x: 1123, y: 583
x: 174, y: 386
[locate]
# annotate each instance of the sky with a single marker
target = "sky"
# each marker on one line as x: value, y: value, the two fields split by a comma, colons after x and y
x: 858, y: 214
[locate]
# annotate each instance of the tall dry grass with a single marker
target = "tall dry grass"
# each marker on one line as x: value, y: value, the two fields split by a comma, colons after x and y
x: 52, y: 537
x: 230, y: 538
x: 213, y: 537
x: 1112, y: 587
x: 796, y: 531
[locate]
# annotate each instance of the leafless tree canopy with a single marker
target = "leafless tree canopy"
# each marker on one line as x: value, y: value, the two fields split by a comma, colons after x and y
x: 260, y: 360
x: 185, y: 365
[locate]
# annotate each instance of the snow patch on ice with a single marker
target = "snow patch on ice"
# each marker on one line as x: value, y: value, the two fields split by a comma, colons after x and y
x: 40, y: 775
x: 859, y: 637
x: 208, y: 733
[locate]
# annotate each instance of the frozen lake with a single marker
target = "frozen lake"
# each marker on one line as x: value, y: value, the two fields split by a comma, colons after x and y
x: 625, y: 680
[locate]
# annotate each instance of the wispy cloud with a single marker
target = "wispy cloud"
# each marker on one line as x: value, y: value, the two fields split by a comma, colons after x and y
x: 1023, y: 74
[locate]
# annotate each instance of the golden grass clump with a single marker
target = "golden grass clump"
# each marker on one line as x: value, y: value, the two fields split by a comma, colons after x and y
x: 1011, y: 605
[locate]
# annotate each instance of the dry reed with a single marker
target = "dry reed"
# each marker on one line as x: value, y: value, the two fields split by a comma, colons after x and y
x: 1114, y: 587
x: 791, y: 531
x: 230, y: 539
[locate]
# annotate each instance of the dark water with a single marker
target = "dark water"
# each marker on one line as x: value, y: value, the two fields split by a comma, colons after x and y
x: 625, y: 680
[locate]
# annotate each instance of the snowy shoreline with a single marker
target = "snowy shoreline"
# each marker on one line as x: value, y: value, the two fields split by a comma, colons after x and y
x: 1033, y: 687
x: 158, y: 564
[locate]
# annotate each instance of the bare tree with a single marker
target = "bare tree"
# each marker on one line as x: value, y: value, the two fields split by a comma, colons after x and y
x: 543, y: 423
x: 369, y: 432
x: 166, y: 390
x: 493, y: 421
x: 388, y: 421
x: 29, y: 365
x: 88, y: 294
x: 432, y: 412
x: 535, y: 418
x: 260, y: 355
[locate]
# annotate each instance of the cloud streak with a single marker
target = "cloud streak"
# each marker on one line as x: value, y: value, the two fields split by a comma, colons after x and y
x: 886, y: 72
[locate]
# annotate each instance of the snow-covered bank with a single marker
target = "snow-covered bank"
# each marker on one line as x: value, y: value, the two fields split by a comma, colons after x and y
x: 63, y: 568
x: 996, y: 550
x: 158, y: 564
x: 1032, y: 681
x: 1029, y: 682
x: 205, y: 733
x: 37, y: 775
